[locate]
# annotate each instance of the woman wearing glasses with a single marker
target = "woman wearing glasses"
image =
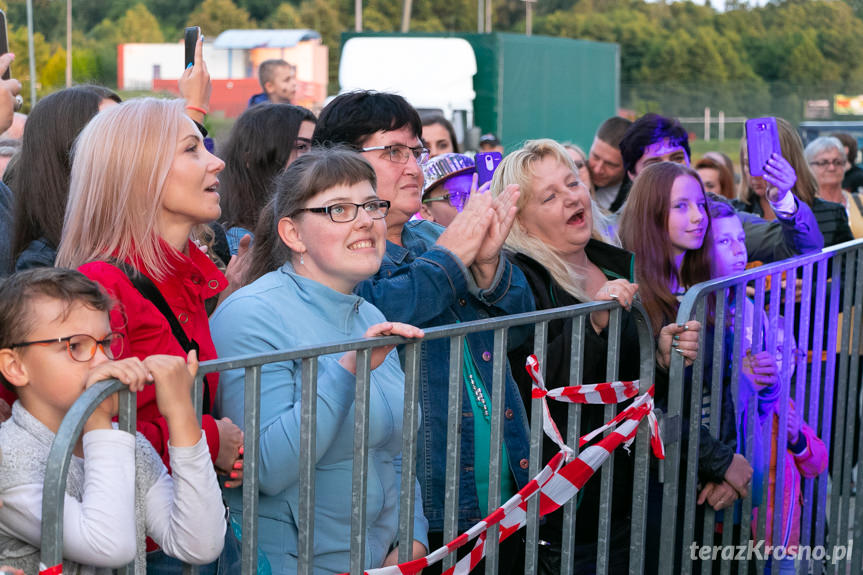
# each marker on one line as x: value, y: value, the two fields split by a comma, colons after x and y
x: 826, y: 157
x: 327, y: 233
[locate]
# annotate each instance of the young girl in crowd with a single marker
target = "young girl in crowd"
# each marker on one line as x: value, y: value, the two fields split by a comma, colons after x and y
x: 134, y: 206
x: 56, y: 340
x: 264, y: 140
x: 327, y: 234
x: 664, y: 223
x: 762, y: 375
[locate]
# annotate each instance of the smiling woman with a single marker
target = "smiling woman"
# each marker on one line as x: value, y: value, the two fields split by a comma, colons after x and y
x: 321, y: 234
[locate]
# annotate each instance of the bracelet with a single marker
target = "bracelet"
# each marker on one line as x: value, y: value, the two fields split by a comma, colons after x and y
x: 197, y: 109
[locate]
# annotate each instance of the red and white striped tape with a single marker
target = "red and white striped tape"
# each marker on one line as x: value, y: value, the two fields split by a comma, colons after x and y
x: 561, y: 478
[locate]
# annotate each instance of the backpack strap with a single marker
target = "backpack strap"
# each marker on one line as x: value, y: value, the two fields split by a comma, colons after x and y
x: 150, y: 292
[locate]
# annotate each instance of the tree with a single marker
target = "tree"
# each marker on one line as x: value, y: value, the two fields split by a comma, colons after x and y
x: 260, y: 10
x: 285, y: 16
x: 138, y: 25
x: 216, y: 16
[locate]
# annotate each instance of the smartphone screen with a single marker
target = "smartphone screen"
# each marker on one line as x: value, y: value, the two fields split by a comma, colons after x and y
x: 762, y: 140
x: 4, y: 43
x: 191, y: 38
x: 486, y: 164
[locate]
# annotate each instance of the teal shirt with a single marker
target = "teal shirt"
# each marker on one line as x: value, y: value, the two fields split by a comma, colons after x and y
x: 482, y: 439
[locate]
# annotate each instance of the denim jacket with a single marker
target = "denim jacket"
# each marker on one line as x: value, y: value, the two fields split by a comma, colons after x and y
x: 424, y: 284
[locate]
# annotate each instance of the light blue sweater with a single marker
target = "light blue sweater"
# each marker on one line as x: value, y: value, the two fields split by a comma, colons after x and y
x: 283, y: 310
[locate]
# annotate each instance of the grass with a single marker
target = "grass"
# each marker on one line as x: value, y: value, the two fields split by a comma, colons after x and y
x: 729, y: 147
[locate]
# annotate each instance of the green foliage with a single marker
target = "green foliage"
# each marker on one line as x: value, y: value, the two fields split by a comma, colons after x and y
x: 216, y: 16
x: 676, y: 57
x: 139, y: 25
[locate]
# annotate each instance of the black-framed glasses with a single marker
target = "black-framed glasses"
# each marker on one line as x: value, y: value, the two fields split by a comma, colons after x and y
x: 345, y: 212
x: 400, y: 154
x: 82, y: 347
x: 827, y: 163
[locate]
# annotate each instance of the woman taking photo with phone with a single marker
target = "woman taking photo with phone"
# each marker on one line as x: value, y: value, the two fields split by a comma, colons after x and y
x: 327, y: 234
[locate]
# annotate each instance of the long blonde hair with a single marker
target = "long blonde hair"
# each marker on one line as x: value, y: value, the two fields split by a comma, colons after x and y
x: 120, y: 163
x: 518, y: 168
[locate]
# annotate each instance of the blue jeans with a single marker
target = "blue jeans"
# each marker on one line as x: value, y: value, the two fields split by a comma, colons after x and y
x: 228, y: 563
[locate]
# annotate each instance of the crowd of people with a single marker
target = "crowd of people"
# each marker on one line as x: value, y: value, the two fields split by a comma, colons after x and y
x: 136, y: 257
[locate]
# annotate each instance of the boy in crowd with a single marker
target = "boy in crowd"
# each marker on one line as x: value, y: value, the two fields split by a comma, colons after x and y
x: 278, y: 81
x: 56, y: 341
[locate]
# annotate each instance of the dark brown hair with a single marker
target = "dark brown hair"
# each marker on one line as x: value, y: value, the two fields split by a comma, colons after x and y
x: 309, y: 175
x: 18, y: 291
x: 40, y: 178
x: 644, y: 231
x: 258, y: 148
x: 447, y: 125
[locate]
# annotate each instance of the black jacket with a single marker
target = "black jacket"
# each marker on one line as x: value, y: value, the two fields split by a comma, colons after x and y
x: 615, y: 263
x: 831, y: 217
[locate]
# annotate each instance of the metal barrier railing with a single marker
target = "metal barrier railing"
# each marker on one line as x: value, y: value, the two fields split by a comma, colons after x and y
x: 816, y: 289
x: 810, y: 377
x: 73, y: 423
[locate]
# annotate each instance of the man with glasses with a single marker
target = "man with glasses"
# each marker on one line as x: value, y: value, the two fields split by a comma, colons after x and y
x: 654, y: 138
x: 432, y: 276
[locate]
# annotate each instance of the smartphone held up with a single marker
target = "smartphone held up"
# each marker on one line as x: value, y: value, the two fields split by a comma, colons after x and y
x: 190, y: 37
x: 4, y: 48
x: 762, y: 140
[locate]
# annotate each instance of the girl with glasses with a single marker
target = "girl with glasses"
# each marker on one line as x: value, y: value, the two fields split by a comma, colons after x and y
x: 321, y: 234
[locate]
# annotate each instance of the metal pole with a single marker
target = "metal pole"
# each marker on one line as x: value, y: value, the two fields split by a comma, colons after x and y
x: 30, y: 53
x: 480, y: 16
x: 528, y: 16
x: 407, y: 6
x: 721, y: 126
x: 68, y: 43
x: 358, y: 15
x: 706, y: 124
x: 488, y: 13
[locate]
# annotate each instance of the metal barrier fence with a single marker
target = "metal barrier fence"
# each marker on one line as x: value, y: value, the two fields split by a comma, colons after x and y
x: 73, y: 424
x: 843, y: 265
x: 815, y: 300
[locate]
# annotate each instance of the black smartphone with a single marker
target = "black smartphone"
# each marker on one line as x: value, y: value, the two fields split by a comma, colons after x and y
x: 4, y: 43
x: 191, y: 37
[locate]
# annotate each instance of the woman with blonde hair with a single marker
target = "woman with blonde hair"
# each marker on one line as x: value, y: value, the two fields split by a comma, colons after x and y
x: 134, y: 206
x: 557, y: 244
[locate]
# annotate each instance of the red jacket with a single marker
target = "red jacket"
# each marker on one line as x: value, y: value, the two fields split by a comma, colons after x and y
x: 192, y: 280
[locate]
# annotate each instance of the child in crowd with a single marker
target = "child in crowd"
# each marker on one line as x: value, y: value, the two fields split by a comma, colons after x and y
x: 762, y: 373
x: 56, y: 341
